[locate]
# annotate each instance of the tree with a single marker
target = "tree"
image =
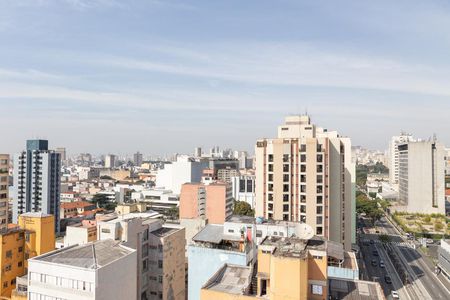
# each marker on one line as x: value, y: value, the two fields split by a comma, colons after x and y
x: 384, y: 238
x: 102, y: 201
x: 173, y: 213
x: 242, y: 208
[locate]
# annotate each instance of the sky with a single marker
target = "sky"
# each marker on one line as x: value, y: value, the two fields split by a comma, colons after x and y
x: 163, y: 76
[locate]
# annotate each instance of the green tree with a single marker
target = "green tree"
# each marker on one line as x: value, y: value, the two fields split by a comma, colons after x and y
x: 173, y: 213
x: 384, y: 238
x: 242, y: 208
x: 102, y: 201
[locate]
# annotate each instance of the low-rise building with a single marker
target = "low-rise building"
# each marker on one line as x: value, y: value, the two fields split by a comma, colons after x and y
x: 73, y: 209
x: 34, y: 235
x: 99, y: 270
x: 316, y: 269
x: 444, y: 258
x: 81, y: 233
x: 244, y: 189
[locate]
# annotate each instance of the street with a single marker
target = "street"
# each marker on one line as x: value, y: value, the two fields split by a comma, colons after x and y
x: 410, y: 275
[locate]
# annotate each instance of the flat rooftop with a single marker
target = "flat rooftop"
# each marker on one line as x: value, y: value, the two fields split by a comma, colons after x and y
x: 293, y: 247
x: 355, y: 290
x: 164, y: 231
x: 88, y: 256
x: 213, y: 233
x: 231, y: 279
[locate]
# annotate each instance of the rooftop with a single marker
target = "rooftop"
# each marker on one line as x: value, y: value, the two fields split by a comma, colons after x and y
x: 232, y: 279
x: 213, y: 233
x: 297, y: 247
x: 35, y: 215
x: 88, y: 256
x: 164, y: 231
x: 76, y: 204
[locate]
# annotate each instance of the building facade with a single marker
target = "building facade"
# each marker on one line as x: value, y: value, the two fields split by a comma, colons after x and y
x: 32, y: 237
x: 137, y: 159
x: 98, y: 270
x: 110, y: 161
x: 422, y: 177
x: 307, y: 175
x: 244, y: 189
x: 4, y: 186
x: 394, y: 155
x: 37, y: 182
x: 211, y: 201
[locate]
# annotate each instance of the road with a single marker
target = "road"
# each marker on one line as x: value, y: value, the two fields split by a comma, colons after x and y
x: 424, y: 283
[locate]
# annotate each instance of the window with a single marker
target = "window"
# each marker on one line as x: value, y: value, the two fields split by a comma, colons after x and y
x: 270, y: 177
x: 302, y: 178
x: 242, y: 185
x: 285, y: 187
x: 319, y: 158
x: 285, y: 168
x: 160, y: 248
x: 319, y: 168
x: 286, y: 177
x: 319, y: 231
x: 7, y: 268
x: 5, y: 284
x: 160, y: 264
x: 319, y: 199
x: 302, y: 148
x: 303, y: 168
x: 303, y: 188
x: 258, y: 233
x: 319, y: 210
x: 285, y: 157
x: 106, y: 230
x: 270, y: 166
x: 13, y: 282
x: 231, y: 230
x: 316, y: 289
x: 9, y: 253
x: 270, y: 187
x: 285, y: 197
x: 20, y: 249
x: 319, y: 220
x: 285, y: 207
x: 270, y: 157
x: 160, y: 279
x: 303, y: 198
x: 19, y: 264
x: 303, y: 158
x: 270, y: 206
x: 270, y: 197
x: 303, y: 208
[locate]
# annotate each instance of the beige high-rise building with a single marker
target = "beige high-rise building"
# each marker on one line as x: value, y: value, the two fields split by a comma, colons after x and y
x: 307, y: 175
x: 4, y: 175
x: 422, y: 176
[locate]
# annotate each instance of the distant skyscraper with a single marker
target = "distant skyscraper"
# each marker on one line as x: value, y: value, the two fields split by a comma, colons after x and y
x: 394, y: 155
x: 4, y: 176
x: 137, y: 159
x: 198, y: 152
x: 37, y: 173
x: 422, y: 177
x: 110, y: 161
x: 62, y: 154
x: 307, y: 175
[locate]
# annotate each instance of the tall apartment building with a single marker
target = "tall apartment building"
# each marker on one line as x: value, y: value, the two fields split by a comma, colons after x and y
x: 94, y: 271
x: 422, y: 177
x: 212, y: 201
x: 244, y: 188
x: 137, y: 159
x: 37, y: 181
x: 110, y: 161
x: 394, y: 155
x: 307, y: 175
x: 32, y: 237
x: 62, y: 154
x: 4, y: 186
x: 198, y: 152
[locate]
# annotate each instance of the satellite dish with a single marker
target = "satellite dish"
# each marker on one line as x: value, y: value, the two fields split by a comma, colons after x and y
x: 304, y: 231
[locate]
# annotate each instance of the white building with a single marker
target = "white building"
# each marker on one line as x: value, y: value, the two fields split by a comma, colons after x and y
x: 110, y: 161
x: 101, y: 270
x: 394, y: 155
x: 37, y: 181
x: 157, y: 199
x: 185, y: 169
x: 422, y: 177
x: 244, y: 189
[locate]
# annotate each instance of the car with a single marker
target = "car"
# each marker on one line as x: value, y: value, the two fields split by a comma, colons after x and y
x: 388, y: 279
x: 395, y: 295
x: 375, y: 253
x: 374, y: 262
x: 371, y: 241
x: 430, y: 241
x: 382, y: 264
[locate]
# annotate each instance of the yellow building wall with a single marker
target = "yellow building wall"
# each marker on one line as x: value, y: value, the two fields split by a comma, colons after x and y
x: 317, y: 270
x: 43, y: 240
x: 12, y: 260
x: 18, y: 296
x: 288, y: 278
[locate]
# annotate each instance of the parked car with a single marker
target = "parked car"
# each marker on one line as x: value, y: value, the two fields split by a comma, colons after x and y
x: 395, y: 295
x: 388, y: 279
x: 382, y: 264
x: 374, y: 262
x: 371, y: 241
x: 375, y: 253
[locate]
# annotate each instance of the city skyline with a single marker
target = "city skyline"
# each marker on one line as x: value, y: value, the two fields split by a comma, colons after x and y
x: 107, y: 76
